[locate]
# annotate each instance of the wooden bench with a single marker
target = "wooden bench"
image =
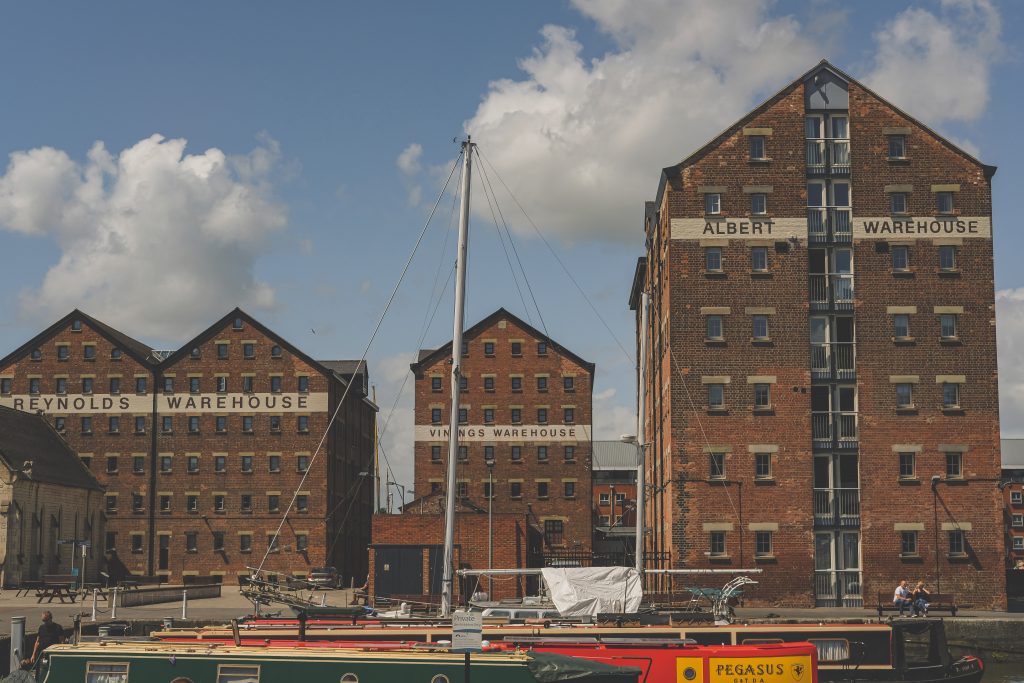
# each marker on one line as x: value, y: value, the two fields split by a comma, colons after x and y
x: 945, y: 602
x: 137, y: 580
x: 58, y: 586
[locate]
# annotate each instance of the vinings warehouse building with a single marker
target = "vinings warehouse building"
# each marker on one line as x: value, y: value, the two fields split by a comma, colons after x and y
x: 202, y: 449
x: 821, y: 352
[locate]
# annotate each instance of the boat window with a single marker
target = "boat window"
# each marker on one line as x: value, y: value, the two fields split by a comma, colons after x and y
x: 350, y: 678
x: 106, y: 673
x: 181, y: 679
x: 238, y: 674
x: 832, y: 649
x: 439, y: 678
x: 761, y: 641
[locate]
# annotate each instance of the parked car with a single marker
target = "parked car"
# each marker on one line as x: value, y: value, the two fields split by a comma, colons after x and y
x: 324, y: 577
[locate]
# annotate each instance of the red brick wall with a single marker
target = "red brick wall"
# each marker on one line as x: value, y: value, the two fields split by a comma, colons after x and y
x: 573, y: 511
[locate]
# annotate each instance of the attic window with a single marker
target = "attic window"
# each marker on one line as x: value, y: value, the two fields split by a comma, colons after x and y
x: 37, y: 355
x: 115, y: 354
x: 195, y: 353
x: 275, y: 351
x: 76, y: 325
x: 237, y: 325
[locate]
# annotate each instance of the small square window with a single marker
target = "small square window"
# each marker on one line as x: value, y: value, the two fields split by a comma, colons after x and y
x: 758, y: 204
x: 516, y: 383
x: 712, y: 203
x: 115, y: 354
x: 195, y: 354
x: 908, y: 465
x: 900, y: 257
x: 76, y: 325
x: 569, y: 489
x: 36, y: 355
x: 944, y: 202
x: 948, y: 326
x: 898, y: 203
x: 713, y: 259
x: 275, y: 351
x: 716, y: 396
x: 542, y: 383
x: 517, y: 348
x: 237, y: 324
x: 192, y: 464
x: 716, y: 465
x: 908, y: 543
x: 757, y: 147
x: 63, y: 352
x: 897, y: 146
x: 516, y: 415
x: 763, y: 544
x: 759, y: 259
x: 488, y: 348
x: 904, y: 395
x: 89, y: 352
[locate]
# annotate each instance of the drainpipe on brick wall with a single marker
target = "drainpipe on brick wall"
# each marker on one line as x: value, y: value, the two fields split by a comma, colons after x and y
x: 150, y: 513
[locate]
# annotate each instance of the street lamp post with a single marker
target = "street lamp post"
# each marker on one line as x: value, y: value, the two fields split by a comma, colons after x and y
x: 640, y: 486
x: 490, y: 527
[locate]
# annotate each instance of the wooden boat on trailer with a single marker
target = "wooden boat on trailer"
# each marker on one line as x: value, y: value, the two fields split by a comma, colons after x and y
x: 897, y: 651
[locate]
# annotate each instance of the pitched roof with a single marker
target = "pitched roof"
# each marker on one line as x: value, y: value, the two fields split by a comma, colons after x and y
x: 345, y: 370
x: 427, y: 356
x: 133, y: 347
x: 30, y: 446
x: 823, y: 64
x: 613, y: 455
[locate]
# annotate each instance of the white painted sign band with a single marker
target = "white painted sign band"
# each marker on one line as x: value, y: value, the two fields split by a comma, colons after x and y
x: 506, y: 433
x: 885, y: 227
x: 922, y: 228
x: 738, y: 228
x: 168, y: 403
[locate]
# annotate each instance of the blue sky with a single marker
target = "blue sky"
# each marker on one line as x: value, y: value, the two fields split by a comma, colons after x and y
x: 318, y: 133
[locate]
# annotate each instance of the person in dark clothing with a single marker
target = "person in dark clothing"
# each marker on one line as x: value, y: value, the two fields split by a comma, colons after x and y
x: 50, y: 633
x: 921, y: 598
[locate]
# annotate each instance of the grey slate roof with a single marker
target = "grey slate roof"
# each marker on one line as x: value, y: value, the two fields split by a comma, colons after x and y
x: 614, y: 455
x: 1012, y: 451
x: 29, y: 438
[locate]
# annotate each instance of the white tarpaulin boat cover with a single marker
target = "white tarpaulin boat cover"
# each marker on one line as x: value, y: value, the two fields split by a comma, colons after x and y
x: 589, y: 591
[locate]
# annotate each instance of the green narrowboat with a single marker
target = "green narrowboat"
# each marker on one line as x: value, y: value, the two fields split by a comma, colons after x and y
x: 149, y: 662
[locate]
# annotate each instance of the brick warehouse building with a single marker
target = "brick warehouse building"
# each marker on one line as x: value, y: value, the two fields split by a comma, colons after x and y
x: 822, y: 391
x: 525, y: 428
x: 201, y: 449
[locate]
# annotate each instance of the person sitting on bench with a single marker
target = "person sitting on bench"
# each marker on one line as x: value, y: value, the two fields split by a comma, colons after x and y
x: 901, y: 598
x: 921, y: 596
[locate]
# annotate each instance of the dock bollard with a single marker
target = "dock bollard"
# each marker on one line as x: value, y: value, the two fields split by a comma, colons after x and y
x: 94, y: 591
x: 184, y: 604
x: 113, y: 602
x: 17, y: 642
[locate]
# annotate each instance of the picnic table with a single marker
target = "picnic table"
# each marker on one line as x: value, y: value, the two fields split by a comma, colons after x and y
x: 58, y: 586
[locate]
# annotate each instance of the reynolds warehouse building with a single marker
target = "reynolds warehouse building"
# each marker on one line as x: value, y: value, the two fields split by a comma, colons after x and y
x: 201, y: 450
x: 821, y: 380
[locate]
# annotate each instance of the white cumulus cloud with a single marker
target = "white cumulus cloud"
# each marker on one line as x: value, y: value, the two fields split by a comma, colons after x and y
x: 409, y: 160
x: 152, y: 240
x: 937, y: 65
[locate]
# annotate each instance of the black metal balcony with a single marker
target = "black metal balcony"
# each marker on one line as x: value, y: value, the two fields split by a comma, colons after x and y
x: 833, y: 361
x: 837, y: 508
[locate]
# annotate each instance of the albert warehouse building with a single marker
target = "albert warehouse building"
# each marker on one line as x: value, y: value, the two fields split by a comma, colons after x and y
x: 821, y: 385
x: 202, y: 449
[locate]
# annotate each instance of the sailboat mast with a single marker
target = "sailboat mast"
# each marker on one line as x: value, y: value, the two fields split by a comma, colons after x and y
x: 448, y: 580
x: 641, y: 437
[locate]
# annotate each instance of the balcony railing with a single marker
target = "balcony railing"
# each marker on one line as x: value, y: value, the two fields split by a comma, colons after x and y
x: 834, y: 429
x: 831, y: 291
x: 838, y: 588
x: 837, y: 507
x: 834, y: 360
x: 825, y: 155
x: 825, y: 223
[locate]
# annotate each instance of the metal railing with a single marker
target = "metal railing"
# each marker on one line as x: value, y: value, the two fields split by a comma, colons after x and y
x: 825, y: 223
x: 837, y: 428
x: 835, y: 360
x: 831, y: 291
x: 838, y: 588
x: 827, y: 155
x: 837, y: 507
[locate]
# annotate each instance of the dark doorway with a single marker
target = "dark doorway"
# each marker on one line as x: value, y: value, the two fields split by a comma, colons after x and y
x: 165, y: 551
x: 398, y: 571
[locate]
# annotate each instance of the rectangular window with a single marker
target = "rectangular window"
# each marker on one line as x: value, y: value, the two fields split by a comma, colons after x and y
x: 60, y: 424
x: 167, y: 424
x: 569, y: 452
x: 114, y: 425
x: 950, y: 395
x: 759, y: 259
x: 87, y: 385
x: 63, y: 352
x: 717, y: 544
x: 115, y: 354
x: 222, y: 351
x: 435, y: 415
x: 245, y: 502
x: 463, y: 416
x: 138, y: 464
x: 249, y: 351
x: 62, y: 386
x: 716, y: 396
x: 140, y: 424
x: 542, y: 416
x: 87, y: 425
x: 192, y: 503
x: 273, y: 502
x: 568, y: 415
x: 516, y: 348
x: 542, y: 489
x: 165, y: 503
x: 517, y: 454
x: 763, y: 544
x: 898, y: 203
x: 245, y: 543
x: 219, y: 503
x: 944, y: 202
x: 193, y: 385
x: 759, y: 327
x: 191, y: 541
x: 488, y: 492
x: 758, y: 204
x: 515, y: 489
x: 220, y: 464
x: 947, y: 257
x: 948, y: 326
x: 904, y: 395
x: 1017, y: 521
x: 897, y: 146
x: 275, y: 385
x: 901, y: 326
x: 303, y: 384
x: 221, y: 424
x: 435, y: 454
x: 716, y: 465
x: 463, y: 453
x: 713, y: 259
x: 136, y: 549
x: 908, y: 543
x: 463, y: 383
x: 115, y: 385
x: 111, y: 503
x: 712, y: 203
x: 569, y: 383
x: 5, y: 386
x: 900, y: 257
x: 462, y: 489
x: 569, y: 489
x: 488, y: 415
x: 247, y: 382
x: 302, y: 463
x: 757, y: 147
x: 193, y: 425
x: 246, y: 461
x: 275, y: 423
x: 168, y: 385
x: 274, y: 463
x: 137, y: 502
x: 542, y: 383
x: 554, y: 532
x: 1018, y: 543
x: 762, y: 396
x: 488, y: 384
x: 516, y: 383
x: 301, y: 543
x: 542, y: 348
x: 542, y: 453
x: 218, y: 541
x: 954, y: 465
x: 36, y: 355
x: 465, y: 348
x: 957, y: 543
x: 489, y: 348
x: 489, y: 455
x: 140, y: 385
x: 247, y: 423
x: 516, y: 415
x: 1016, y: 497
x: 111, y: 464
x: 165, y: 463
x: 762, y: 465
x: 908, y: 465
